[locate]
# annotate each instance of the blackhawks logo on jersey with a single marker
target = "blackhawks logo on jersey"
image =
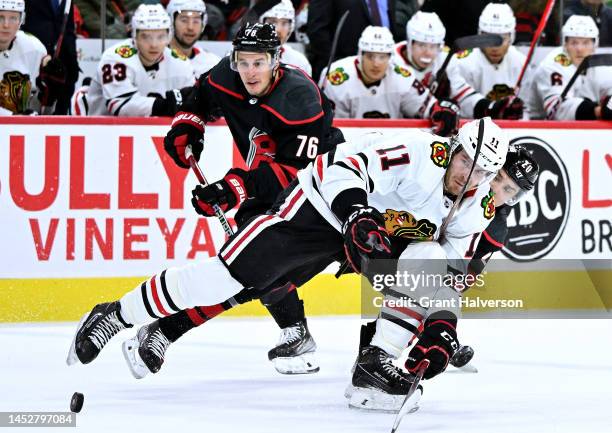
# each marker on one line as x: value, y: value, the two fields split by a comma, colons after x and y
x: 563, y: 60
x: 404, y: 225
x: 440, y: 154
x: 463, y: 54
x: 488, y: 204
x: 402, y: 71
x: 500, y: 91
x: 337, y: 76
x: 177, y: 55
x: 125, y: 51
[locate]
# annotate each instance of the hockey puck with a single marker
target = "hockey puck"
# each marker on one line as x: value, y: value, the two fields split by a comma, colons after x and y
x: 76, y: 402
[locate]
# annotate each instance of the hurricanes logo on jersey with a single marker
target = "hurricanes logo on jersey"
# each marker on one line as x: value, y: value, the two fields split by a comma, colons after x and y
x: 488, y: 204
x: 440, y: 154
x: 463, y: 54
x: 404, y: 225
x: 402, y: 71
x: 337, y: 76
x: 563, y: 60
x: 125, y: 51
x: 500, y: 91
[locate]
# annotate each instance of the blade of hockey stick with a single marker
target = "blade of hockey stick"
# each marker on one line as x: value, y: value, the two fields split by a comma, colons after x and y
x: 195, y: 167
x: 588, y: 62
x: 406, y: 405
x: 334, y: 46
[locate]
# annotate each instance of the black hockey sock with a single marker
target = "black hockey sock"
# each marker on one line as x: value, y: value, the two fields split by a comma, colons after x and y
x: 288, y: 310
x: 175, y: 325
x: 366, y: 334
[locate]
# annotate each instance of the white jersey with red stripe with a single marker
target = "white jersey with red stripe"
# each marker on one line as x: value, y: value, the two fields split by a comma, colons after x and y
x: 398, y: 95
x: 291, y: 56
x: 460, y: 91
x: 202, y: 61
x: 403, y: 176
x: 122, y: 83
x: 494, y: 81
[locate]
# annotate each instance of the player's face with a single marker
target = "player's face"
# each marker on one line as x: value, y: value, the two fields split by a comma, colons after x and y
x: 150, y: 45
x: 504, y: 187
x: 282, y: 26
x: 496, y: 54
x: 188, y: 26
x: 423, y: 53
x: 9, y: 24
x: 375, y: 65
x: 579, y: 48
x: 255, y: 71
x: 457, y: 173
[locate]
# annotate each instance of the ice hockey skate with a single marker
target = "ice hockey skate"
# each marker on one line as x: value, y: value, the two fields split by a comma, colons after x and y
x: 94, y: 331
x: 295, y: 351
x: 145, y: 352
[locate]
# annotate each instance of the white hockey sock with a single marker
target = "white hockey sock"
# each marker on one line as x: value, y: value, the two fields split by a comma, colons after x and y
x: 207, y: 282
x: 390, y: 337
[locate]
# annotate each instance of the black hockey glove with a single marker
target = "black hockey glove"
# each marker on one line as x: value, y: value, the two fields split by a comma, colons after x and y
x: 187, y: 129
x: 510, y: 107
x: 50, y: 82
x: 441, y: 89
x: 606, y: 108
x: 437, y: 343
x: 167, y: 105
x: 228, y: 193
x: 365, y: 236
x: 444, y: 118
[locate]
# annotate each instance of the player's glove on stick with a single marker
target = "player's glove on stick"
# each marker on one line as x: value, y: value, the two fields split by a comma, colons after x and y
x: 167, y: 105
x: 606, y: 108
x: 50, y: 81
x: 442, y: 90
x: 365, y: 237
x: 444, y: 118
x: 187, y: 129
x: 437, y: 343
x: 228, y: 193
x: 510, y: 107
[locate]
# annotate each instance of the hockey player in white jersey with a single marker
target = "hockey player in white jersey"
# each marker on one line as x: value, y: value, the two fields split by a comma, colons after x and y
x: 588, y: 99
x: 371, y: 85
x: 189, y: 18
x: 26, y: 71
x: 494, y: 71
x: 139, y: 76
x: 282, y: 17
x: 343, y: 203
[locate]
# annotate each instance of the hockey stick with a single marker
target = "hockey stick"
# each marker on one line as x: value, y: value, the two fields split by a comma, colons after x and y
x: 60, y: 39
x: 588, y: 62
x: 195, y: 167
x: 446, y: 222
x: 253, y: 14
x: 536, y: 37
x: 334, y: 46
x: 408, y: 406
x: 465, y: 43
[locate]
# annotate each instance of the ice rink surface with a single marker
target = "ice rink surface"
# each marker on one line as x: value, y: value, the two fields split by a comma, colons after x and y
x: 534, y: 376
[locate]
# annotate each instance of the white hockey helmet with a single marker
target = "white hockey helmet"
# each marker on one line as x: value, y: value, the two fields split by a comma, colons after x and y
x: 494, y: 147
x: 150, y: 17
x: 580, y: 26
x: 424, y: 27
x: 177, y: 6
x: 14, y: 6
x: 376, y: 39
x: 283, y: 10
x: 497, y: 18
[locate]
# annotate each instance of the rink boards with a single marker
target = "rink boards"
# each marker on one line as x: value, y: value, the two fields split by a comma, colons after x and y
x: 90, y: 206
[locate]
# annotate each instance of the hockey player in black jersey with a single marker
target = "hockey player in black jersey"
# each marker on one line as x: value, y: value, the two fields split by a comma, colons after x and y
x: 280, y: 122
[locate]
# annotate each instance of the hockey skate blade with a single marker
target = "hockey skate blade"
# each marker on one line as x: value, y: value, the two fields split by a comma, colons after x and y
x: 132, y: 358
x: 372, y: 400
x: 302, y: 364
x: 467, y: 368
x: 72, y: 357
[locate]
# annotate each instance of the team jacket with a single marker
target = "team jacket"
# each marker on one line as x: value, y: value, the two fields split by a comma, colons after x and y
x: 122, y: 83
x: 402, y: 177
x: 460, y: 91
x: 276, y: 134
x: 399, y: 94
x: 19, y: 68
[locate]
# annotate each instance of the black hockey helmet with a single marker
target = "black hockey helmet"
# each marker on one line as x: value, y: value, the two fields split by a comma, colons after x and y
x: 256, y: 38
x: 522, y: 169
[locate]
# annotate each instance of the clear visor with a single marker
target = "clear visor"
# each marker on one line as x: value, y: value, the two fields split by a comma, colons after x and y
x: 519, y: 196
x: 480, y: 175
x: 264, y: 62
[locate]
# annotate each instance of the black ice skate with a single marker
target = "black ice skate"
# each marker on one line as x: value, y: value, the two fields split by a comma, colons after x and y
x: 94, y: 331
x: 377, y: 384
x: 145, y: 352
x: 294, y: 353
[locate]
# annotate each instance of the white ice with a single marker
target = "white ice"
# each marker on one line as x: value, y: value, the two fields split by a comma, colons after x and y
x: 534, y: 376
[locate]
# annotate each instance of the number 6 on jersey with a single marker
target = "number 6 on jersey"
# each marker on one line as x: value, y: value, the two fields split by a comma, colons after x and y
x: 310, y: 143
